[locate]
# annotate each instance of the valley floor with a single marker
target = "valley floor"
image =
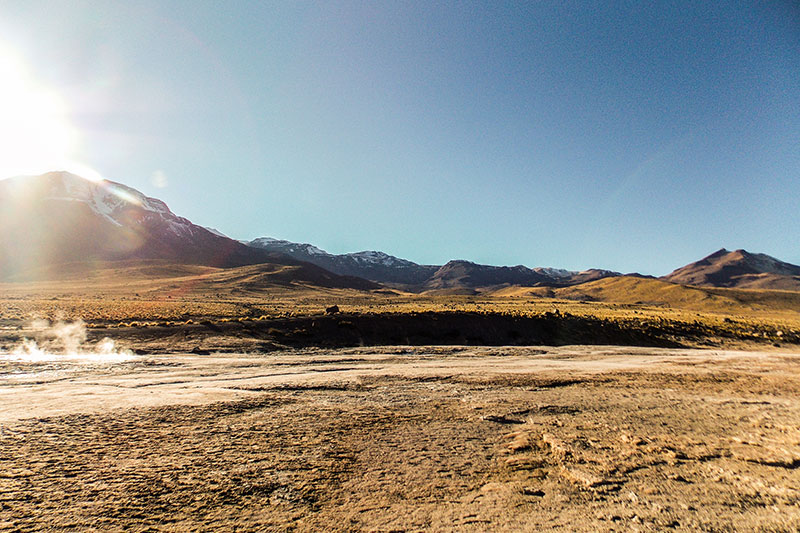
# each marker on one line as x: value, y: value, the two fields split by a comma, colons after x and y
x: 573, y: 438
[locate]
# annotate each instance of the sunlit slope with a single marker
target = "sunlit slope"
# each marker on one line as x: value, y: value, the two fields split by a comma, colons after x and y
x: 652, y: 292
x: 645, y: 291
x: 154, y: 277
x: 740, y: 269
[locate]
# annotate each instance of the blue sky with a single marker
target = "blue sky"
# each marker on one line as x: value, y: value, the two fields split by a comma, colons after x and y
x: 635, y: 136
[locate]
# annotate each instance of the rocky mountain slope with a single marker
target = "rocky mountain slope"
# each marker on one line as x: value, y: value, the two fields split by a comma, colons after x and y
x: 59, y: 217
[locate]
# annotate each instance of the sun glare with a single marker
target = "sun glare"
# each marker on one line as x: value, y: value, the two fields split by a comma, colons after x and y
x: 36, y: 135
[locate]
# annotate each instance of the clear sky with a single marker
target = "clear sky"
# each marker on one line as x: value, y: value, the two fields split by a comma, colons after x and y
x: 635, y: 136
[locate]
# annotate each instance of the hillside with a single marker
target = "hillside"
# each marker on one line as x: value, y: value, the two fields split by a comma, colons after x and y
x: 647, y: 292
x: 740, y: 269
x: 158, y: 280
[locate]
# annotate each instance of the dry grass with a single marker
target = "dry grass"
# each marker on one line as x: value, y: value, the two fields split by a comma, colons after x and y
x: 166, y: 295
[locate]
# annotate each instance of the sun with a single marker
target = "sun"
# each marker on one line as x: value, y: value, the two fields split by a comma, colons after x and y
x: 36, y: 134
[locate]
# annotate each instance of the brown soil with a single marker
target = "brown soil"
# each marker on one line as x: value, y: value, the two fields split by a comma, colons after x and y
x: 405, y: 439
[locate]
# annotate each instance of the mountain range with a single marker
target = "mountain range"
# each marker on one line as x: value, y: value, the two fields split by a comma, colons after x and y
x: 458, y: 274
x: 59, y: 218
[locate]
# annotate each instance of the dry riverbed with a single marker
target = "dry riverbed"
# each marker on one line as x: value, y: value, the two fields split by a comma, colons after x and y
x: 404, y: 439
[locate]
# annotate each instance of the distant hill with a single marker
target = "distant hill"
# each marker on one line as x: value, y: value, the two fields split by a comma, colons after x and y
x: 641, y: 291
x: 255, y: 278
x: 740, y: 269
x: 454, y: 277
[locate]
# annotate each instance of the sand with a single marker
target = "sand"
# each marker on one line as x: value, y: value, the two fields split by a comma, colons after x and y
x: 574, y: 438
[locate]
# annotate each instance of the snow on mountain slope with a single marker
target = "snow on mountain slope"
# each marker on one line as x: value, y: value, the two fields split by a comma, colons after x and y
x: 372, y: 265
x: 380, y: 258
x: 555, y: 273
x: 216, y: 232
x: 278, y: 245
x: 59, y: 217
x: 107, y: 199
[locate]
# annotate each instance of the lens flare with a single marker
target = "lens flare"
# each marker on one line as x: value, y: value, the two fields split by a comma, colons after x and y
x: 84, y: 171
x: 36, y: 134
x: 122, y: 194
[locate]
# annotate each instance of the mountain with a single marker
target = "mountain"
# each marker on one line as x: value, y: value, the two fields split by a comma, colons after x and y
x: 466, y: 274
x: 59, y: 217
x: 59, y: 221
x: 593, y: 274
x: 376, y: 266
x: 455, y: 275
x: 739, y: 268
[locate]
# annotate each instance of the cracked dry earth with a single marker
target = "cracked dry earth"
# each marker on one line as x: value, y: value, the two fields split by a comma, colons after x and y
x: 397, y: 439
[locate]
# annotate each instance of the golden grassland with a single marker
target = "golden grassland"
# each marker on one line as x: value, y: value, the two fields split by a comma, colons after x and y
x: 167, y: 295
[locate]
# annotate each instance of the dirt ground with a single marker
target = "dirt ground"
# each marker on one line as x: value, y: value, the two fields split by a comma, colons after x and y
x: 574, y: 438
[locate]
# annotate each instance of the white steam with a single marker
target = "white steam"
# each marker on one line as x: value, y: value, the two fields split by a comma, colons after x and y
x: 60, y: 341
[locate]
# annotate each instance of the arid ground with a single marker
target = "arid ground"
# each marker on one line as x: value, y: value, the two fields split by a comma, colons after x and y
x: 242, y: 406
x: 573, y: 438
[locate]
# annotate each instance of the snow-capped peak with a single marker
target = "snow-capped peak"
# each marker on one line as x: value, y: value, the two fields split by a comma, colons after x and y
x: 284, y: 246
x: 558, y: 273
x: 377, y: 258
x: 109, y: 200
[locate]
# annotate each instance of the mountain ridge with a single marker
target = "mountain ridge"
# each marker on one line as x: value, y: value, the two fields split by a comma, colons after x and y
x: 63, y: 217
x: 60, y: 218
x: 455, y: 274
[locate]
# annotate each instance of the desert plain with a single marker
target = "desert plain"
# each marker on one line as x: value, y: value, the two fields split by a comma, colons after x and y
x: 240, y: 410
x: 573, y: 438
